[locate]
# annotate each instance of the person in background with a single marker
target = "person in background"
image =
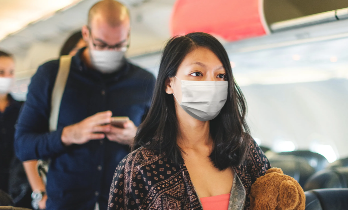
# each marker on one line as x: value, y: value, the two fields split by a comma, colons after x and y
x: 15, y: 184
x: 70, y: 47
x: 9, y: 110
x: 85, y: 149
x: 73, y: 44
x: 196, y: 151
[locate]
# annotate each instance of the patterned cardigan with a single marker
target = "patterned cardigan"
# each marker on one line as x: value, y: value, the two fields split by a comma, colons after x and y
x: 145, y: 180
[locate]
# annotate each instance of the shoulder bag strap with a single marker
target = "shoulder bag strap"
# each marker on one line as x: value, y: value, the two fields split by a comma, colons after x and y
x: 58, y: 90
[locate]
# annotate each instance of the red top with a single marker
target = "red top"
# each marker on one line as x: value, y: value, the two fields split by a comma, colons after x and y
x: 219, y: 202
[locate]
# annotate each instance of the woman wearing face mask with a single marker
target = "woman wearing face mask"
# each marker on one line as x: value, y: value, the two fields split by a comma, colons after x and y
x: 195, y: 150
x: 9, y: 110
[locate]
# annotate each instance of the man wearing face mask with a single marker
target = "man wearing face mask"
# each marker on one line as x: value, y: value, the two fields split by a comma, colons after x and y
x: 85, y: 149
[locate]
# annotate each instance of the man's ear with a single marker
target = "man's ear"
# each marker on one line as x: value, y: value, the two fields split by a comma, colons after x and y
x: 85, y: 33
x: 168, y: 83
x: 128, y: 38
x: 129, y: 33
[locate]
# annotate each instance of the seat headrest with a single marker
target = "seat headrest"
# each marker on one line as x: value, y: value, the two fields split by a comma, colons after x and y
x: 296, y: 167
x: 316, y: 160
x: 328, y: 178
x: 264, y: 148
x: 327, y: 199
x: 339, y: 163
x: 5, y: 199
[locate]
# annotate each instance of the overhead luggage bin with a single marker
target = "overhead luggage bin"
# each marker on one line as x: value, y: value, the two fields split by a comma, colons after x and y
x: 310, y: 20
x: 313, y: 11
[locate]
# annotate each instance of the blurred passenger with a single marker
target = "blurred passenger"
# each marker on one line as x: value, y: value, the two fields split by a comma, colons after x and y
x: 9, y: 110
x: 12, y: 177
x: 70, y: 47
x: 85, y: 149
x: 196, y: 151
x: 73, y: 44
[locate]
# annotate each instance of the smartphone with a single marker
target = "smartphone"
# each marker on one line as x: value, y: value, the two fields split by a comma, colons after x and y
x: 119, y: 121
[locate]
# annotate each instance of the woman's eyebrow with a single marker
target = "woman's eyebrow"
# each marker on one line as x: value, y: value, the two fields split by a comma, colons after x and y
x: 203, y: 65
x: 218, y: 68
x: 198, y: 63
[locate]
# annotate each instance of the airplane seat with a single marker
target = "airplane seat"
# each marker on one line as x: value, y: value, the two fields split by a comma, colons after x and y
x: 328, y: 178
x: 6, y: 202
x: 5, y: 199
x: 339, y: 163
x: 264, y: 148
x: 327, y: 199
x: 316, y: 160
x: 296, y: 167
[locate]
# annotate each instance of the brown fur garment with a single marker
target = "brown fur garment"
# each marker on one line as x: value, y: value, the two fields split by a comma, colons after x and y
x: 277, y: 191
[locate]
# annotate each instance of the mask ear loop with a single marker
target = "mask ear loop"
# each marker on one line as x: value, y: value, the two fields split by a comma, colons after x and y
x: 174, y: 94
x: 176, y: 98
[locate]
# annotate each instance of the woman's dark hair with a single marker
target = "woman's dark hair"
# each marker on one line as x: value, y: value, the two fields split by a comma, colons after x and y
x: 228, y: 130
x: 71, y: 43
x: 5, y: 54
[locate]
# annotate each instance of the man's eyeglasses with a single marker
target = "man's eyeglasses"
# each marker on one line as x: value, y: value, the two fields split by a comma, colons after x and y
x: 121, y: 46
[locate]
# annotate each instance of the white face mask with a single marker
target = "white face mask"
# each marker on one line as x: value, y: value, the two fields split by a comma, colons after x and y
x: 107, y: 61
x: 5, y: 84
x: 203, y: 100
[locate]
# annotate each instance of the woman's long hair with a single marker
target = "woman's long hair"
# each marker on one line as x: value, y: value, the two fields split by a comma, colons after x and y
x: 5, y: 54
x: 228, y: 130
x: 70, y: 43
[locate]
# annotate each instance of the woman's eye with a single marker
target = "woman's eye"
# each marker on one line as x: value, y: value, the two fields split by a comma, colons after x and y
x: 2, y: 72
x: 221, y: 76
x: 196, y: 74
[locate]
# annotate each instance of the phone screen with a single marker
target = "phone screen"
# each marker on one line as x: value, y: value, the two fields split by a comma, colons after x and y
x: 119, y: 121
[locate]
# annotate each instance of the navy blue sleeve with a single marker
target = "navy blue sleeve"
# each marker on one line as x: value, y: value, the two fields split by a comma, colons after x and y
x: 32, y: 138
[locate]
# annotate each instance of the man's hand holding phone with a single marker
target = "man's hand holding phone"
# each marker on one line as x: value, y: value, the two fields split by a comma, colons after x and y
x: 117, y: 129
x: 91, y: 128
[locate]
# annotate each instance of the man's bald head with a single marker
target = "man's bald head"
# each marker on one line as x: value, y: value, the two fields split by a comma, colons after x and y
x: 113, y: 12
